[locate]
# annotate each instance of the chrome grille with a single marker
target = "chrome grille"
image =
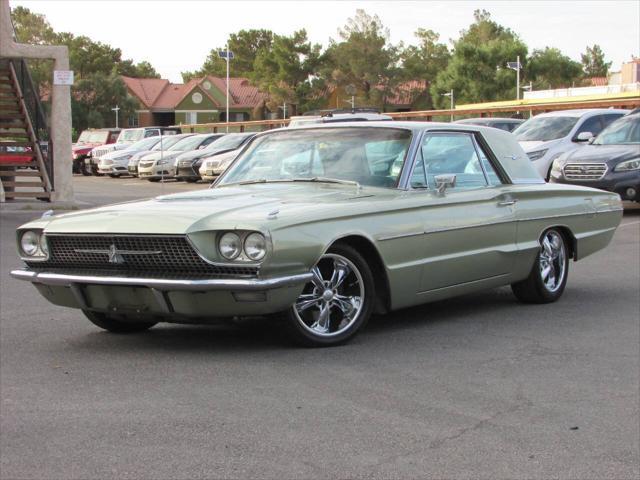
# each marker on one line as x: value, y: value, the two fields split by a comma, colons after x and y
x: 145, y: 164
x: 584, y: 171
x: 160, y: 254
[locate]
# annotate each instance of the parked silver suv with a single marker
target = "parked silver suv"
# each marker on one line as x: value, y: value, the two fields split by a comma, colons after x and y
x: 547, y: 136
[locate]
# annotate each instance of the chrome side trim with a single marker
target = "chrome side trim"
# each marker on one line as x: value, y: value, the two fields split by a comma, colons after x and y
x: 383, y: 238
x: 161, y: 284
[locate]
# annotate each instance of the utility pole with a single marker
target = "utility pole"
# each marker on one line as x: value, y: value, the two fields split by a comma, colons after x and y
x: 116, y: 109
x: 227, y: 55
x: 517, y: 67
x: 450, y: 95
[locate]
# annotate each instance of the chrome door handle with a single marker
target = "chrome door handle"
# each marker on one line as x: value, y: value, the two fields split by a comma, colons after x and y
x: 507, y: 203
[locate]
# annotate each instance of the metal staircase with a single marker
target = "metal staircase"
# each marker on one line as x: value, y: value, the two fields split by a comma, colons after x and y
x: 26, y: 163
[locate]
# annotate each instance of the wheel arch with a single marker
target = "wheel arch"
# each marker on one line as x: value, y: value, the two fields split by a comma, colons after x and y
x: 368, y: 250
x: 567, y: 233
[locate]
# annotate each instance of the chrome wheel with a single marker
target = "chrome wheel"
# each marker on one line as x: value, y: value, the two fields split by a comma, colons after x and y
x: 553, y: 261
x: 332, y: 302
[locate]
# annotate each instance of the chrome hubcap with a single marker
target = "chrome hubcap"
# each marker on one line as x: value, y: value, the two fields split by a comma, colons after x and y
x: 553, y: 261
x: 333, y: 300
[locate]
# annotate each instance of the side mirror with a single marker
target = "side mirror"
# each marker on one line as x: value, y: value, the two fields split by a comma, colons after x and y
x: 444, y: 181
x: 583, y: 137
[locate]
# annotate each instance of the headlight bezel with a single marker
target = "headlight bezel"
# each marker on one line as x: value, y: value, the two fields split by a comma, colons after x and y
x: 243, y: 257
x: 536, y: 155
x: 635, y: 161
x: 41, y: 251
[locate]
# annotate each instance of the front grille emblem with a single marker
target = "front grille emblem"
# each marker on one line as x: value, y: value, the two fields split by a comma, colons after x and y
x: 114, y: 255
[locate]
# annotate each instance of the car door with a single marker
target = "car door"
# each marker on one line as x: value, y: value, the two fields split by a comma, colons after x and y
x: 470, y: 228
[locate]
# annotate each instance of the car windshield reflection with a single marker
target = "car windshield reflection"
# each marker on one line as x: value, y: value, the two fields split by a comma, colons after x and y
x: 359, y: 155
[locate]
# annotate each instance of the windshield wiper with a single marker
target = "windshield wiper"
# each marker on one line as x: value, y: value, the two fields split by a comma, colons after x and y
x: 326, y: 180
x: 298, y: 179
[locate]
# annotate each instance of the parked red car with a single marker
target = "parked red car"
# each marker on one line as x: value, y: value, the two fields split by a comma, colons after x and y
x: 89, y: 139
x: 12, y: 155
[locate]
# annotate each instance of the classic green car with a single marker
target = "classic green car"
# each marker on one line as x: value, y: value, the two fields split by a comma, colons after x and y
x: 323, y: 226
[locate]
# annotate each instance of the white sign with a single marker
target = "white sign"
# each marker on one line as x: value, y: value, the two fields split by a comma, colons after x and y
x: 63, y: 77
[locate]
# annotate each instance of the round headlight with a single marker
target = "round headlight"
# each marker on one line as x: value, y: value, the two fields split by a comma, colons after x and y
x: 230, y: 246
x: 43, y: 245
x: 255, y: 246
x: 29, y: 243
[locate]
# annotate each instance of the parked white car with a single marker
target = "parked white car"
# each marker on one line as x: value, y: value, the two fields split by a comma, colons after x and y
x: 216, y: 165
x: 547, y: 136
x: 226, y: 150
x: 161, y: 165
x: 129, y: 136
x: 115, y: 163
x: 164, y: 144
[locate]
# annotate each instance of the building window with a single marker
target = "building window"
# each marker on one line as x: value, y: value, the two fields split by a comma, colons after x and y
x: 133, y: 120
x: 191, y: 117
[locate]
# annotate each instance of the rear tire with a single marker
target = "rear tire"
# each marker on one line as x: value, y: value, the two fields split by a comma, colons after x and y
x: 548, y: 277
x: 117, y: 325
x: 337, y: 303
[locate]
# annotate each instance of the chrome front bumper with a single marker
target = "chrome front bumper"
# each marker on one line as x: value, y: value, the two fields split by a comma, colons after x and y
x: 234, y: 284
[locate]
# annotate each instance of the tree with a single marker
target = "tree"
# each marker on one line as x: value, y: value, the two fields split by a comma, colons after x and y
x: 426, y: 60
x: 93, y: 97
x: 549, y: 68
x: 593, y: 62
x: 32, y: 28
x: 140, y: 70
x: 245, y: 45
x: 87, y: 57
x: 476, y: 71
x: 364, y: 58
x: 285, y: 69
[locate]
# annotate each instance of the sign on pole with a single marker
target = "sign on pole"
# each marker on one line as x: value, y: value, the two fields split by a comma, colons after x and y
x: 63, y: 77
x: 223, y: 54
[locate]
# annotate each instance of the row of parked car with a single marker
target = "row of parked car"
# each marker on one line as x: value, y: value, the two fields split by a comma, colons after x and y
x: 593, y: 147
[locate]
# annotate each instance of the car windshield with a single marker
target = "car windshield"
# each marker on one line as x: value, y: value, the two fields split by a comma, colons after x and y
x: 368, y: 156
x: 545, y: 128
x: 142, y: 145
x: 229, y: 142
x: 84, y: 137
x: 167, y: 142
x: 131, y: 135
x: 99, y: 137
x: 188, y: 143
x: 624, y: 131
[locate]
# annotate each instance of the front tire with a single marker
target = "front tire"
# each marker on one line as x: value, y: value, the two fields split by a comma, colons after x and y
x: 548, y: 277
x: 117, y: 325
x: 336, y: 303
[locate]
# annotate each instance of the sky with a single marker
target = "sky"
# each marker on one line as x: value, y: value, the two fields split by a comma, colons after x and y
x: 176, y: 35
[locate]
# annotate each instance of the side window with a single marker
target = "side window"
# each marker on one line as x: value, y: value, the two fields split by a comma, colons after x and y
x: 151, y: 133
x: 492, y: 176
x: 453, y: 154
x: 593, y: 125
x: 607, y: 119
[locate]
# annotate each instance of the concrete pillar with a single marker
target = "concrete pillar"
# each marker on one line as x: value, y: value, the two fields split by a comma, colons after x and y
x: 60, y: 122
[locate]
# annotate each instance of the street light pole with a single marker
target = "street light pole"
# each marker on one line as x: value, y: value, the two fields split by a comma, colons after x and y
x: 117, y: 109
x: 451, y: 98
x: 518, y: 78
x: 227, y: 58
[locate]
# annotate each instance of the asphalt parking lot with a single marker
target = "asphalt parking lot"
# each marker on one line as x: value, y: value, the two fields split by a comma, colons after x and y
x: 476, y: 387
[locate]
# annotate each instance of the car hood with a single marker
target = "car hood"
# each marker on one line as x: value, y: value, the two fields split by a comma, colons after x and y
x: 82, y: 148
x: 191, y: 155
x: 533, y: 145
x: 612, y: 154
x: 117, y: 154
x: 258, y: 206
x: 166, y: 155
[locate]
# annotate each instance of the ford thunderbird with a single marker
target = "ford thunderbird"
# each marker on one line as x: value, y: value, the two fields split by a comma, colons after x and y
x: 323, y: 226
